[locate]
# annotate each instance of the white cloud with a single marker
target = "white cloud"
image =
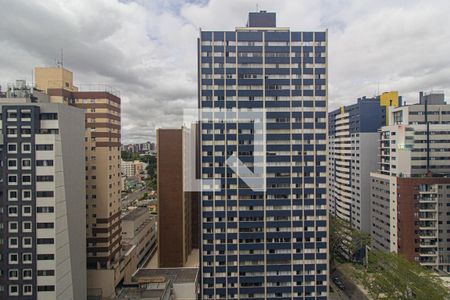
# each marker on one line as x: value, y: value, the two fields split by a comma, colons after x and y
x: 147, y: 49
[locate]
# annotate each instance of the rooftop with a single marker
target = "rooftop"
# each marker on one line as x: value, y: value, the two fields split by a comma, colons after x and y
x: 136, y: 213
x: 177, y: 275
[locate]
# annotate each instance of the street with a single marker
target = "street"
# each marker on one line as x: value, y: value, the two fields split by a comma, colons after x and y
x: 130, y: 198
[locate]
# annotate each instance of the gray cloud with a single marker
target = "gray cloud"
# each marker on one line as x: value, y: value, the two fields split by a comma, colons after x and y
x: 147, y: 49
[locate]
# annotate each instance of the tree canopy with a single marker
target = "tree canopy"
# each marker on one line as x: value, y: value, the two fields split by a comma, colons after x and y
x: 391, y: 276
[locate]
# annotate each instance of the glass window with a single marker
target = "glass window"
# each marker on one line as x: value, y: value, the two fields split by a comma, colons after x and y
x: 26, y: 258
x: 12, y: 164
x: 26, y: 210
x: 13, y: 290
x: 26, y: 163
x: 13, y: 258
x: 13, y: 274
x: 27, y: 274
x: 26, y: 194
x: 12, y: 211
x: 26, y: 147
x: 13, y: 227
x: 26, y: 179
x: 13, y: 242
x: 12, y: 148
x: 12, y: 195
x: 12, y: 179
x: 27, y: 289
x: 26, y: 242
x: 26, y: 226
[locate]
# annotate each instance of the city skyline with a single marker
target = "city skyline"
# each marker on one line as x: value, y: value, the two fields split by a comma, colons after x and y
x: 239, y: 149
x: 157, y: 77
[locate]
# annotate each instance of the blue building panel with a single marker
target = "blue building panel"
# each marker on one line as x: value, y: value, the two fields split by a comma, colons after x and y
x: 251, y: 237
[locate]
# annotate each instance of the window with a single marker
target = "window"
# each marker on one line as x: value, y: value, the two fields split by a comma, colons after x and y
x: 26, y: 210
x: 27, y: 274
x: 13, y: 274
x: 45, y: 256
x: 26, y: 147
x: 25, y: 114
x: 44, y: 194
x: 13, y: 227
x: 44, y: 163
x: 12, y: 211
x: 27, y: 289
x: 45, y: 147
x: 13, y: 258
x: 46, y: 241
x: 46, y: 273
x: 26, y: 179
x: 12, y: 179
x: 26, y: 163
x: 26, y: 195
x: 45, y: 209
x: 27, y: 242
x: 26, y: 226
x: 13, y: 242
x: 12, y: 195
x: 12, y: 131
x: 12, y: 148
x: 25, y: 131
x: 14, y: 290
x: 26, y: 258
x: 46, y: 288
x: 45, y: 225
x: 12, y: 114
x: 12, y: 164
x: 49, y: 116
x: 46, y: 178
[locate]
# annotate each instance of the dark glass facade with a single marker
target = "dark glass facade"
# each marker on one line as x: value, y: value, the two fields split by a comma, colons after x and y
x: 269, y: 243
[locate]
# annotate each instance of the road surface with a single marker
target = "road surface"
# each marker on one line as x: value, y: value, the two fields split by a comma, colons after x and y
x: 128, y: 199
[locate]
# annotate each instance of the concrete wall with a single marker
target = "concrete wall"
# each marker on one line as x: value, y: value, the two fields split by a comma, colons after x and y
x: 72, y: 142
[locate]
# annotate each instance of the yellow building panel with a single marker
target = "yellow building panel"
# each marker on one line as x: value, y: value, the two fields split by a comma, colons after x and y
x: 389, y: 99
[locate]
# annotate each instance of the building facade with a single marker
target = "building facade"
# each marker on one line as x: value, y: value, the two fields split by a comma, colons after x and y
x: 409, y: 192
x: 139, y: 230
x: 101, y: 105
x: 269, y: 242
x: 42, y: 209
x: 175, y: 232
x: 353, y: 154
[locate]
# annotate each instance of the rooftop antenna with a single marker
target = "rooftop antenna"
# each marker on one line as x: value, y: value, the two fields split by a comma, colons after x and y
x: 257, y: 7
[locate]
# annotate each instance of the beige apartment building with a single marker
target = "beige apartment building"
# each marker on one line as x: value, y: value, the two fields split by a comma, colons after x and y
x: 103, y: 180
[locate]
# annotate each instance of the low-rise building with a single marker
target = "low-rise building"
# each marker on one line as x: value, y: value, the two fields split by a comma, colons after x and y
x: 139, y: 229
x: 162, y: 284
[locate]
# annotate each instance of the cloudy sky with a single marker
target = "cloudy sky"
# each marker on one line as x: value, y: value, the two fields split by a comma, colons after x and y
x: 147, y: 48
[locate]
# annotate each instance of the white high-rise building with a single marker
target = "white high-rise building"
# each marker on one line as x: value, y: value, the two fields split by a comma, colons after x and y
x: 410, y: 191
x: 42, y: 192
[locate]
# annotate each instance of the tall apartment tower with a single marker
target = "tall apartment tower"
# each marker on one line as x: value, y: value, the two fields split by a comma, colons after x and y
x: 263, y: 107
x: 177, y: 206
x: 42, y: 209
x: 353, y: 154
x: 102, y: 165
x: 410, y: 190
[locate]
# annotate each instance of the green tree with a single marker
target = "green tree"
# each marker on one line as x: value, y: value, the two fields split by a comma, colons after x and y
x: 345, y: 241
x: 337, y: 238
x: 358, y: 240
x: 129, y: 156
x: 392, y: 277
